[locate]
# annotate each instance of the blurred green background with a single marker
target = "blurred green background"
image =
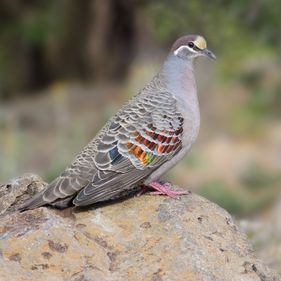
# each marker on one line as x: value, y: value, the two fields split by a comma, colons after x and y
x: 66, y: 66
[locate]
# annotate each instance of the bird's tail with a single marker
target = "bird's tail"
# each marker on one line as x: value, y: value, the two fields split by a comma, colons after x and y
x: 32, y: 203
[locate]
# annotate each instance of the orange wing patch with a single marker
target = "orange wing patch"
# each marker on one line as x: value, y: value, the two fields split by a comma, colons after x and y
x: 166, y: 145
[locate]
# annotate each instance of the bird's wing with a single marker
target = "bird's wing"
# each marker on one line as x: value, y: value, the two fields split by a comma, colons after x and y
x: 142, y: 136
x: 146, y: 133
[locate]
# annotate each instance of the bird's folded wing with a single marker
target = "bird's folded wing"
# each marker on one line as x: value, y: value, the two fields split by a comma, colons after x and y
x: 143, y: 135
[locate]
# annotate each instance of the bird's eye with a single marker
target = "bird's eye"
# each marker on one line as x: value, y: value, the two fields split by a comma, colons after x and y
x: 190, y: 44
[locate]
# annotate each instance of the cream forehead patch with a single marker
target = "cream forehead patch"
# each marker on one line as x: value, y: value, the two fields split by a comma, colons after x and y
x: 200, y: 42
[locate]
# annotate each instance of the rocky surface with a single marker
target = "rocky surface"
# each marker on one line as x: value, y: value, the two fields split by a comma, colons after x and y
x: 141, y: 238
x: 14, y: 193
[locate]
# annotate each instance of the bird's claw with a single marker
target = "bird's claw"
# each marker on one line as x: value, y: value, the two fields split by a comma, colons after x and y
x: 164, y: 189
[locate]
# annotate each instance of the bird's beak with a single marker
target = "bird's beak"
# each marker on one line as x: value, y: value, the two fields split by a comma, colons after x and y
x: 209, y: 54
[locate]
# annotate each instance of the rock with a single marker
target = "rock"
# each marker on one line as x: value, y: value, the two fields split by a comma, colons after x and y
x: 14, y: 193
x: 141, y: 238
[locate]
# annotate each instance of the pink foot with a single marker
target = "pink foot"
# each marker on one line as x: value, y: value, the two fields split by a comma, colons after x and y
x: 164, y: 189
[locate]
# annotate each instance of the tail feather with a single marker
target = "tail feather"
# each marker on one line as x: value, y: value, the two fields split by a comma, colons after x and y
x: 44, y: 197
x: 34, y: 202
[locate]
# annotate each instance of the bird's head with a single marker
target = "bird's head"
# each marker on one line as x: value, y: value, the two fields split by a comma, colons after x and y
x: 189, y: 47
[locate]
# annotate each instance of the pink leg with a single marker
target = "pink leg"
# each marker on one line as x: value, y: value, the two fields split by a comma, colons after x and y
x: 166, y: 190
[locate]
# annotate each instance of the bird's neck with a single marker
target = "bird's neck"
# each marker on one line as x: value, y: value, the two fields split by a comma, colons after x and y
x: 180, y: 79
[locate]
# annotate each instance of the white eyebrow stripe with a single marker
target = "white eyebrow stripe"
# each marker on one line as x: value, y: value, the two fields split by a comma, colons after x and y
x: 183, y: 47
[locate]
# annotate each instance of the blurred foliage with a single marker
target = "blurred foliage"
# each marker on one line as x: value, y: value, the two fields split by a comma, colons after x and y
x: 241, y: 202
x: 23, y: 25
x: 257, y: 179
x: 260, y: 188
x: 263, y: 92
x: 43, y: 41
x: 31, y: 34
x: 224, y: 23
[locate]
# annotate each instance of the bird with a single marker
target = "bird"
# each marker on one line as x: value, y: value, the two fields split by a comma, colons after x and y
x: 142, y: 141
